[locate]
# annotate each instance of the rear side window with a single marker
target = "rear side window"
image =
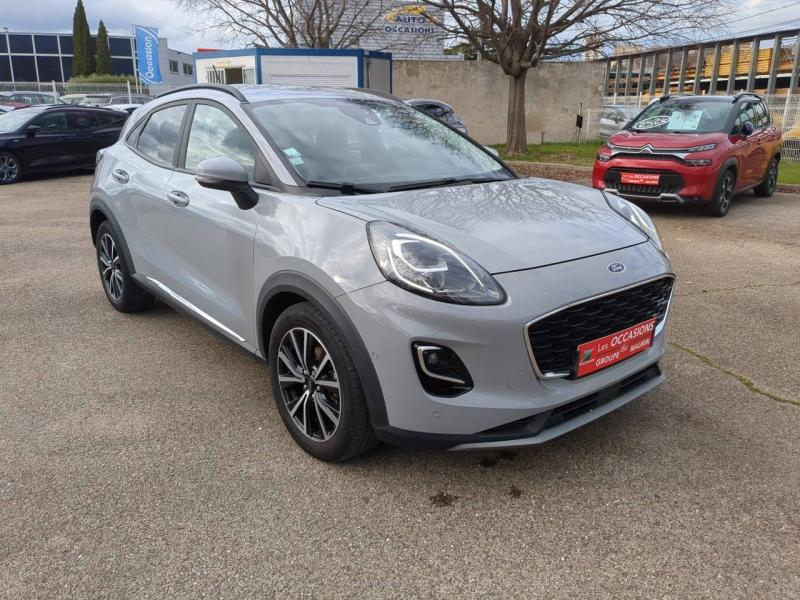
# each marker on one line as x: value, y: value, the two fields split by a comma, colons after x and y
x: 159, y: 138
x: 80, y: 120
x: 214, y: 133
x: 110, y: 120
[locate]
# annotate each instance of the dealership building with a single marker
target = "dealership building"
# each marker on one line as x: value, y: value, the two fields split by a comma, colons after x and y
x: 46, y: 57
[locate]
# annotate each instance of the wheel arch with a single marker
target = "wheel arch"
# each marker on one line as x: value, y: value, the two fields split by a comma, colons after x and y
x: 731, y: 164
x: 286, y: 288
x: 99, y: 212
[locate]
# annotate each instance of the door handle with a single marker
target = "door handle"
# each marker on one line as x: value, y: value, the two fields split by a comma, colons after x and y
x: 120, y: 176
x: 178, y: 198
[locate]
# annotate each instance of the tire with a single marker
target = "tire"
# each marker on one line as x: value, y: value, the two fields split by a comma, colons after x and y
x: 330, y: 421
x: 10, y: 169
x: 766, y: 188
x: 122, y: 291
x: 723, y: 194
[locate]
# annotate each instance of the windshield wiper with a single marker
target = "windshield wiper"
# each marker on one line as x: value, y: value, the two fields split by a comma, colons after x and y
x: 418, y: 185
x: 344, y: 187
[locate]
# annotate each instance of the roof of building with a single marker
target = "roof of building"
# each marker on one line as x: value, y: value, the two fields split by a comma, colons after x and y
x: 260, y: 93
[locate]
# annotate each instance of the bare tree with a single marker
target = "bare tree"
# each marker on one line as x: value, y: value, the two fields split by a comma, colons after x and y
x: 288, y: 23
x: 519, y: 34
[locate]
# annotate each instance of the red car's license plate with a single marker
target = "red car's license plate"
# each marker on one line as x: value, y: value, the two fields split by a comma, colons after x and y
x: 611, y: 349
x: 640, y: 178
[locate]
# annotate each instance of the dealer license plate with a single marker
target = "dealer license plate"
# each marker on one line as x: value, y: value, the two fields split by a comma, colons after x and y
x: 640, y: 178
x: 611, y: 349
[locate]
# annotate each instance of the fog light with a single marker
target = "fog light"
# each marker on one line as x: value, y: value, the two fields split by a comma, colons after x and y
x: 440, y: 370
x: 698, y: 162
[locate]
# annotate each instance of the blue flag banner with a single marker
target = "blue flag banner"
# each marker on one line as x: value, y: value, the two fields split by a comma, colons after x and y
x: 147, y: 52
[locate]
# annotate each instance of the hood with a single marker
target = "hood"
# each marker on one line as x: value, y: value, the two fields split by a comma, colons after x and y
x: 504, y: 226
x: 637, y: 139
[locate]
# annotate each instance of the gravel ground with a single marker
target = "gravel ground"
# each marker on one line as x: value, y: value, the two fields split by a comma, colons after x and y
x: 141, y: 456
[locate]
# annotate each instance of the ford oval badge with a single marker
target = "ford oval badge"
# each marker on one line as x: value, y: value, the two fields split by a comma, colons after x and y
x: 616, y: 267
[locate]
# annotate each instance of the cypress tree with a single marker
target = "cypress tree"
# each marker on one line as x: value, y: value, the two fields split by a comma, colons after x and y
x: 88, y: 48
x: 78, y: 18
x: 103, y: 64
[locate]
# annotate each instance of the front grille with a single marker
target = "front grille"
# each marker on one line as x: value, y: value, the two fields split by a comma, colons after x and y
x: 637, y: 156
x: 555, y: 339
x: 670, y: 182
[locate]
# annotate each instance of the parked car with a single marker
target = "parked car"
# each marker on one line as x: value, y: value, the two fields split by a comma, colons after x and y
x: 129, y: 99
x: 73, y: 98
x: 4, y: 108
x: 126, y: 108
x: 407, y: 287
x: 614, y: 117
x: 693, y: 150
x: 96, y: 99
x: 54, y: 138
x: 439, y: 110
x: 20, y: 99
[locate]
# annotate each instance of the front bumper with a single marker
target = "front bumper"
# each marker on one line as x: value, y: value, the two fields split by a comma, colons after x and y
x: 491, y: 341
x: 696, y: 183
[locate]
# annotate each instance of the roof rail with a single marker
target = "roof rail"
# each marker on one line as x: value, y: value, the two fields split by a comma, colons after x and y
x: 207, y: 86
x: 738, y: 96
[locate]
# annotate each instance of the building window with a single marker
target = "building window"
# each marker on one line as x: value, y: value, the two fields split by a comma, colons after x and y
x: 173, y: 66
x: 119, y: 46
x: 188, y: 69
x: 5, y: 68
x: 122, y: 66
x: 46, y: 44
x: 21, y: 44
x: 49, y: 68
x: 66, y: 44
x: 24, y: 68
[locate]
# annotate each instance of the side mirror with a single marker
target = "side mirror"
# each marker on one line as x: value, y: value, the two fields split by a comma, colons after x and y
x: 493, y: 151
x: 748, y: 128
x: 32, y: 130
x: 223, y: 173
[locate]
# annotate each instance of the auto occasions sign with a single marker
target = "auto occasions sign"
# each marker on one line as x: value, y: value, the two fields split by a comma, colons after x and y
x: 147, y: 51
x: 410, y: 20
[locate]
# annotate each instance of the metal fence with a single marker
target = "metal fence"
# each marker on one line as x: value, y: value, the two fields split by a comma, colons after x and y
x: 57, y: 90
x: 784, y: 111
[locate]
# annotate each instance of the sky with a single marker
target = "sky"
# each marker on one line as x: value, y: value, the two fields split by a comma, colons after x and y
x: 175, y: 25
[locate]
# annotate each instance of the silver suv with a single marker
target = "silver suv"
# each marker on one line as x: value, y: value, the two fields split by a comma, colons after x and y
x: 400, y: 281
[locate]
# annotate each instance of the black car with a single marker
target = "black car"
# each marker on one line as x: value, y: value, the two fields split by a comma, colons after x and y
x: 439, y: 110
x: 54, y: 138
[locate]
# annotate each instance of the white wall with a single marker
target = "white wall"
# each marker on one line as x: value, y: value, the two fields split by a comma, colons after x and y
x: 336, y: 71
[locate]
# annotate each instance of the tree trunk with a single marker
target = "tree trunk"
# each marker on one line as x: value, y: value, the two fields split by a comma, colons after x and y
x: 516, y: 132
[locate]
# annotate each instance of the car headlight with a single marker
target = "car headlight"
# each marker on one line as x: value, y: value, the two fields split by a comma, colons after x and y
x: 636, y: 216
x: 430, y: 268
x: 703, y: 148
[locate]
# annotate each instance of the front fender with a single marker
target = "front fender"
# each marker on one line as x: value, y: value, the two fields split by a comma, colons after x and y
x: 293, y: 286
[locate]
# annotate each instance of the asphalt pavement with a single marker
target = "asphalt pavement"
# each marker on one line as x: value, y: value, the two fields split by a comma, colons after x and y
x: 141, y: 456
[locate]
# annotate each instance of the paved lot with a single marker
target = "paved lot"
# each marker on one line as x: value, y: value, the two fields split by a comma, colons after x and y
x: 141, y: 456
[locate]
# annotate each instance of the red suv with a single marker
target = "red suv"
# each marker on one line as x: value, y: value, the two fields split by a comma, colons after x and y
x: 693, y: 150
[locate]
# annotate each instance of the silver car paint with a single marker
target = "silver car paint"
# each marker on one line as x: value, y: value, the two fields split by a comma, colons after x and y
x: 491, y: 342
x: 201, y: 255
x: 505, y: 226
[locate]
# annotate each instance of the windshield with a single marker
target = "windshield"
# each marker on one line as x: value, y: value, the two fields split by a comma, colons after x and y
x: 684, y: 116
x: 371, y: 143
x: 13, y: 120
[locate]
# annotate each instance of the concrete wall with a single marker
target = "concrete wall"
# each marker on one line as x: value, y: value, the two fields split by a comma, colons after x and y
x: 478, y: 91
